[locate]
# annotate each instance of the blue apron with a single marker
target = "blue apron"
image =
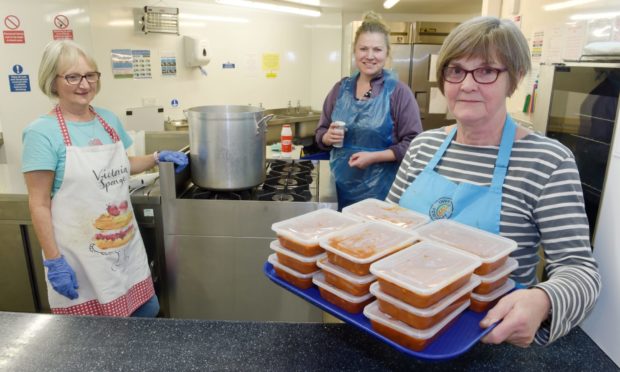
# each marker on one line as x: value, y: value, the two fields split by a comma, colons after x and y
x: 473, y: 205
x: 369, y: 128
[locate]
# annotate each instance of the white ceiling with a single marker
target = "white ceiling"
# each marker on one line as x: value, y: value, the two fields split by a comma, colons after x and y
x: 406, y: 6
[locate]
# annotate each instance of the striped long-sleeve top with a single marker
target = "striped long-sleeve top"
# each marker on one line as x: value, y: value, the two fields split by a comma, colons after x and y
x: 542, y: 203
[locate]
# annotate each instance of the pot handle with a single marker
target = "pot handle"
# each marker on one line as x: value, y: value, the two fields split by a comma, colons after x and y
x: 262, y: 124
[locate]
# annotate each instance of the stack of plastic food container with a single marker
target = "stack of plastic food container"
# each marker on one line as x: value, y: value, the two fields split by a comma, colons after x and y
x: 493, y: 250
x: 297, y: 249
x: 381, y: 211
x: 350, y: 252
x: 420, y: 291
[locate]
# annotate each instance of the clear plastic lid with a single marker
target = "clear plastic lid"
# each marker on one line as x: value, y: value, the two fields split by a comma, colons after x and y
x: 276, y: 246
x: 489, y: 247
x: 324, y: 264
x: 367, y: 242
x: 273, y: 259
x: 509, y: 266
x: 308, y: 228
x: 499, y: 292
x: 425, y: 268
x: 372, y: 312
x: 377, y: 210
x: 375, y: 289
x: 319, y: 280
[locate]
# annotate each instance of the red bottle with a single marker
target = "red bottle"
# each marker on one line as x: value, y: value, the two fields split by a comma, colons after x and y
x: 286, y: 141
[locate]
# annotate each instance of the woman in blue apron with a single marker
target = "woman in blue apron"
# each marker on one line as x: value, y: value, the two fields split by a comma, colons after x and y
x: 380, y: 115
x: 489, y: 173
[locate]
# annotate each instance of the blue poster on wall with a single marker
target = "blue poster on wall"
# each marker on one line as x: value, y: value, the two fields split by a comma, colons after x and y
x: 19, y: 82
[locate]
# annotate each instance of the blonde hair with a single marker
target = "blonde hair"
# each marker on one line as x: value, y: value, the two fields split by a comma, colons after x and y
x: 373, y: 22
x: 57, y: 56
x: 490, y: 39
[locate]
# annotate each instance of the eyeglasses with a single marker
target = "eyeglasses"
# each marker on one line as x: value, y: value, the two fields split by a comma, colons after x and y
x: 75, y: 79
x: 481, y: 75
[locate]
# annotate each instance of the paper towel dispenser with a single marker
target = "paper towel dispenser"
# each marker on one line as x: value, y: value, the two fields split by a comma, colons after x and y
x: 197, y: 51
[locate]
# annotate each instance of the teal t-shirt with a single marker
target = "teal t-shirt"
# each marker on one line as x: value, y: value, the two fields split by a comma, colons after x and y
x: 44, y: 147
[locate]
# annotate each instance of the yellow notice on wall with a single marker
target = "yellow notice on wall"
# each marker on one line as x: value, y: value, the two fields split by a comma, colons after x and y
x: 271, y: 62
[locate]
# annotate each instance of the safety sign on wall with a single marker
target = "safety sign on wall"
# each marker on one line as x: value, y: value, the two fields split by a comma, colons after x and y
x: 62, y: 30
x: 13, y: 35
x: 19, y: 82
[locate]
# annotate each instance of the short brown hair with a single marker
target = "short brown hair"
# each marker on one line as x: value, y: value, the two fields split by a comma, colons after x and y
x: 60, y: 54
x: 372, y: 22
x: 491, y: 39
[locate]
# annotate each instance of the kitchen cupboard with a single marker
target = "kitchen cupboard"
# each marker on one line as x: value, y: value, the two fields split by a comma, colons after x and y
x: 16, y: 292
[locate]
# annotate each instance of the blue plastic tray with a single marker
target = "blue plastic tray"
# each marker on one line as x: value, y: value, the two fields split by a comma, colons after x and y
x: 454, y: 341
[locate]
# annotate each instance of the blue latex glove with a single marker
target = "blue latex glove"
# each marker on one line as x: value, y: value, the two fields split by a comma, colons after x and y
x: 62, y: 277
x: 176, y: 157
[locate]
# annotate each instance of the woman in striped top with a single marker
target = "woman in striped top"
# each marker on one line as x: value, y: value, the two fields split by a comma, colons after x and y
x: 489, y: 173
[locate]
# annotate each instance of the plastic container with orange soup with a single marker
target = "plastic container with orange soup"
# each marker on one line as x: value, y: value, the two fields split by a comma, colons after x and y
x: 480, y: 303
x: 299, y: 280
x: 423, y: 318
x: 344, y: 279
x: 401, y: 333
x: 301, y: 234
x: 378, y: 210
x: 492, y: 249
x: 497, y: 277
x: 342, y: 299
x: 424, y: 273
x: 295, y: 261
x: 356, y: 247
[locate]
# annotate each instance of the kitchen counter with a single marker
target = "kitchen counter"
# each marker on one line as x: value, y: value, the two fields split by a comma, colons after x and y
x: 36, y: 342
x: 13, y: 188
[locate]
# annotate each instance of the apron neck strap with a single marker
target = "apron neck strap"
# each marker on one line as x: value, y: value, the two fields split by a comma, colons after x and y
x: 503, y: 155
x: 65, y: 132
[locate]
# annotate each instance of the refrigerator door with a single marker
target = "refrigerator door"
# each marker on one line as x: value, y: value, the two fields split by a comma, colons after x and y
x: 426, y: 91
x: 399, y: 62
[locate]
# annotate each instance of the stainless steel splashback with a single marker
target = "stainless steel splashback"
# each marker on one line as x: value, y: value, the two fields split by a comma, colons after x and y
x: 215, y: 251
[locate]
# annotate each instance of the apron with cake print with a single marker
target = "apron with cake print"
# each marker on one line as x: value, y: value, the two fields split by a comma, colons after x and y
x: 479, y: 206
x: 96, y: 231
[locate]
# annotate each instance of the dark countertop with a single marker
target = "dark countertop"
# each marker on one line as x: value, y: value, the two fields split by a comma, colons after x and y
x: 39, y: 342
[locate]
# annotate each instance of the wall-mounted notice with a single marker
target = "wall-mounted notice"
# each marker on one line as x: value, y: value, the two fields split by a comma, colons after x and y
x: 19, y: 82
x: 13, y: 35
x: 271, y: 64
x: 62, y: 30
x: 122, y: 63
x: 141, y: 64
x: 168, y: 64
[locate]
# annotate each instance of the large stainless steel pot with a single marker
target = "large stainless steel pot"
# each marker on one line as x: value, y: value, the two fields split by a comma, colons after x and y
x: 227, y: 146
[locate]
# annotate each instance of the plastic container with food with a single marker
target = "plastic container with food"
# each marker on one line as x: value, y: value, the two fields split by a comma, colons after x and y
x: 492, y: 249
x: 356, y: 247
x: 301, y: 234
x: 345, y: 280
x: 424, y: 273
x: 497, y: 277
x: 342, y: 299
x: 295, y: 261
x: 483, y: 302
x: 299, y: 280
x: 423, y: 318
x: 377, y: 210
x: 402, y: 334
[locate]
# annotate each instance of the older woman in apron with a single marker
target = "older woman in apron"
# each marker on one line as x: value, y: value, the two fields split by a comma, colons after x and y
x: 489, y: 173
x: 77, y: 172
